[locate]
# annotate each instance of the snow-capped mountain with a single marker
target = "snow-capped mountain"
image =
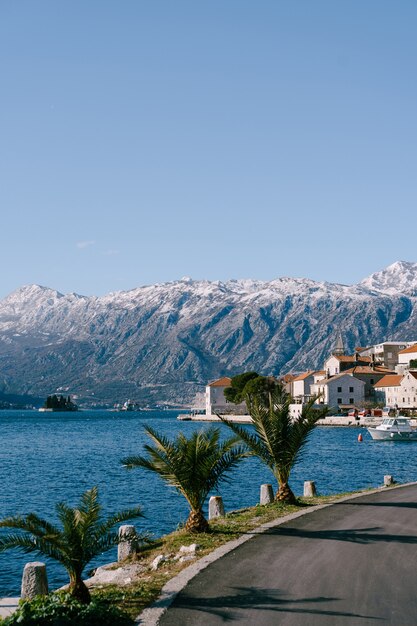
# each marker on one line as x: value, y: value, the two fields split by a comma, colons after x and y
x: 165, y: 341
x: 400, y: 277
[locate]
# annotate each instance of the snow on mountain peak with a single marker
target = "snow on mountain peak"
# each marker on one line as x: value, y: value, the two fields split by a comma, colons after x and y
x: 399, y: 277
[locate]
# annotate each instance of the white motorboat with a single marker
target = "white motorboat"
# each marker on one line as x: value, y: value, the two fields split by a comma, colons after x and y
x: 394, y: 429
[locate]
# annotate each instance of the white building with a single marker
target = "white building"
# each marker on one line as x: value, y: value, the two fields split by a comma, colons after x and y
x: 301, y: 384
x: 407, y: 355
x: 216, y: 401
x: 386, y: 353
x: 341, y: 390
x: 336, y: 364
x: 398, y: 391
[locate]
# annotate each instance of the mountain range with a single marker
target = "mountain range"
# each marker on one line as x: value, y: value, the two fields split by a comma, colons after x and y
x: 163, y: 342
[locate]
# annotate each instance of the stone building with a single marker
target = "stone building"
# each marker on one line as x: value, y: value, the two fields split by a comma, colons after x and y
x: 398, y: 391
x: 216, y: 401
x: 340, y: 391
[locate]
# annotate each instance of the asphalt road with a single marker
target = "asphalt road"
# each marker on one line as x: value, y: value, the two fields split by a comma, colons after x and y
x: 352, y: 564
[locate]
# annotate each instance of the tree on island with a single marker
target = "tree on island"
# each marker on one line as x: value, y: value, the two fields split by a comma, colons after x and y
x: 83, y: 536
x: 60, y: 403
x: 194, y: 465
x: 279, y: 438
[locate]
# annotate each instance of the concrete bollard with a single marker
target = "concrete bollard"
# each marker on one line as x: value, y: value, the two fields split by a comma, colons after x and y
x: 388, y: 481
x: 309, y: 489
x: 216, y: 508
x: 267, y: 495
x: 128, y: 542
x: 34, y: 580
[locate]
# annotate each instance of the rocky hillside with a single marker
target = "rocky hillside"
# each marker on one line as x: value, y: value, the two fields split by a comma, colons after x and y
x: 163, y: 342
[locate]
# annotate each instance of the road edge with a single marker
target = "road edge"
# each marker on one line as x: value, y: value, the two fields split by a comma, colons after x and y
x: 151, y: 615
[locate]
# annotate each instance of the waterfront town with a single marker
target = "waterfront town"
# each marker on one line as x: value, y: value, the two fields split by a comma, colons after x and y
x: 382, y: 375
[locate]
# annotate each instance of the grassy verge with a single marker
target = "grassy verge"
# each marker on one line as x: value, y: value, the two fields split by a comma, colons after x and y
x: 137, y: 596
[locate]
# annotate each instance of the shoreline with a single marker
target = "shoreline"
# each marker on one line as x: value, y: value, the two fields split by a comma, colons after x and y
x: 330, y: 420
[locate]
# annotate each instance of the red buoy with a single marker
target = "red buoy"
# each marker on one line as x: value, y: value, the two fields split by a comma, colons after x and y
x: 360, y: 438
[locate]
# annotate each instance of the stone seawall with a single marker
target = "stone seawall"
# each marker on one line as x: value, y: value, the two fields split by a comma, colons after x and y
x: 330, y: 420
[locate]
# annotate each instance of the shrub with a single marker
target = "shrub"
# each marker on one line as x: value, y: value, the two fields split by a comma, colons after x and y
x: 63, y: 610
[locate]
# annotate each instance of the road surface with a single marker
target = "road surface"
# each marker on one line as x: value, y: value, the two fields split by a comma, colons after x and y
x: 353, y: 564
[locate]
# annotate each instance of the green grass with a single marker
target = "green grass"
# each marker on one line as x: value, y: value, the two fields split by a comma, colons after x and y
x: 140, y: 594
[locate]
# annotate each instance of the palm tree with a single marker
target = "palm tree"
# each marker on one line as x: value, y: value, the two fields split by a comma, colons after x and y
x: 194, y: 466
x: 279, y: 439
x: 83, y: 536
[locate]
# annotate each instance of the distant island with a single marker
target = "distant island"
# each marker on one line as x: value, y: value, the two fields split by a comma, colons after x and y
x: 59, y: 403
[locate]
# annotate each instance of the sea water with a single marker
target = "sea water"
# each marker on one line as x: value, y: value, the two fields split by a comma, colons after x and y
x: 47, y: 458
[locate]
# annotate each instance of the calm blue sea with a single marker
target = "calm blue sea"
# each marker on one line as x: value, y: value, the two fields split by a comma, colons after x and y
x: 47, y: 458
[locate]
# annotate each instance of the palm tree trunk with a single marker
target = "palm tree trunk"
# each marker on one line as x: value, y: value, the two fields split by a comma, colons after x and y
x: 197, y: 523
x: 285, y: 494
x: 79, y: 590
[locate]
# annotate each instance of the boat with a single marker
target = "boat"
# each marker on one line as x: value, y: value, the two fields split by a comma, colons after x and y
x: 394, y: 429
x: 129, y: 405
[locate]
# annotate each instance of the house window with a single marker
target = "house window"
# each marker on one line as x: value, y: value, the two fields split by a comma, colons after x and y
x: 351, y: 401
x: 339, y: 401
x: 339, y: 390
x: 372, y: 381
x: 350, y: 389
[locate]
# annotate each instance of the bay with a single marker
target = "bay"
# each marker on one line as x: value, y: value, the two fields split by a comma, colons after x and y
x: 50, y: 457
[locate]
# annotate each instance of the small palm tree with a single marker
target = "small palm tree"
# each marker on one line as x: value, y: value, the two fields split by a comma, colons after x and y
x: 194, y: 466
x: 279, y: 439
x: 83, y: 536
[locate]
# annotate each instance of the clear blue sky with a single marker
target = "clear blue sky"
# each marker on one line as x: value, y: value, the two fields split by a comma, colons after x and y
x: 145, y: 140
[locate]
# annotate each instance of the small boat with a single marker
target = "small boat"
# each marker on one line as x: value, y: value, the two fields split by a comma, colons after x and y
x: 394, y: 429
x: 129, y: 405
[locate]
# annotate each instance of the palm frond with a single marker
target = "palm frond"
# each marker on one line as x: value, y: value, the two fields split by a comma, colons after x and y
x: 82, y: 536
x: 224, y: 464
x: 278, y: 440
x: 253, y: 442
x: 25, y: 542
x: 190, y: 464
x: 123, y: 516
x: 41, y: 525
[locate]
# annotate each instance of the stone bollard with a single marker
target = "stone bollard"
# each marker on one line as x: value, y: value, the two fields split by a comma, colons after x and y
x: 267, y: 495
x: 389, y: 481
x: 34, y: 580
x: 309, y: 489
x: 216, y: 508
x: 128, y: 542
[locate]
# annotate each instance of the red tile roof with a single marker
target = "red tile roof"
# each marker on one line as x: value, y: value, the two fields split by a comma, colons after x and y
x: 352, y: 359
x: 287, y: 378
x: 367, y: 369
x: 304, y: 375
x: 391, y: 380
x: 409, y: 350
x: 221, y: 382
x: 336, y: 377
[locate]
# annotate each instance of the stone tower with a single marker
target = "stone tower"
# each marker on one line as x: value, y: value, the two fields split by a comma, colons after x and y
x: 339, y: 349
